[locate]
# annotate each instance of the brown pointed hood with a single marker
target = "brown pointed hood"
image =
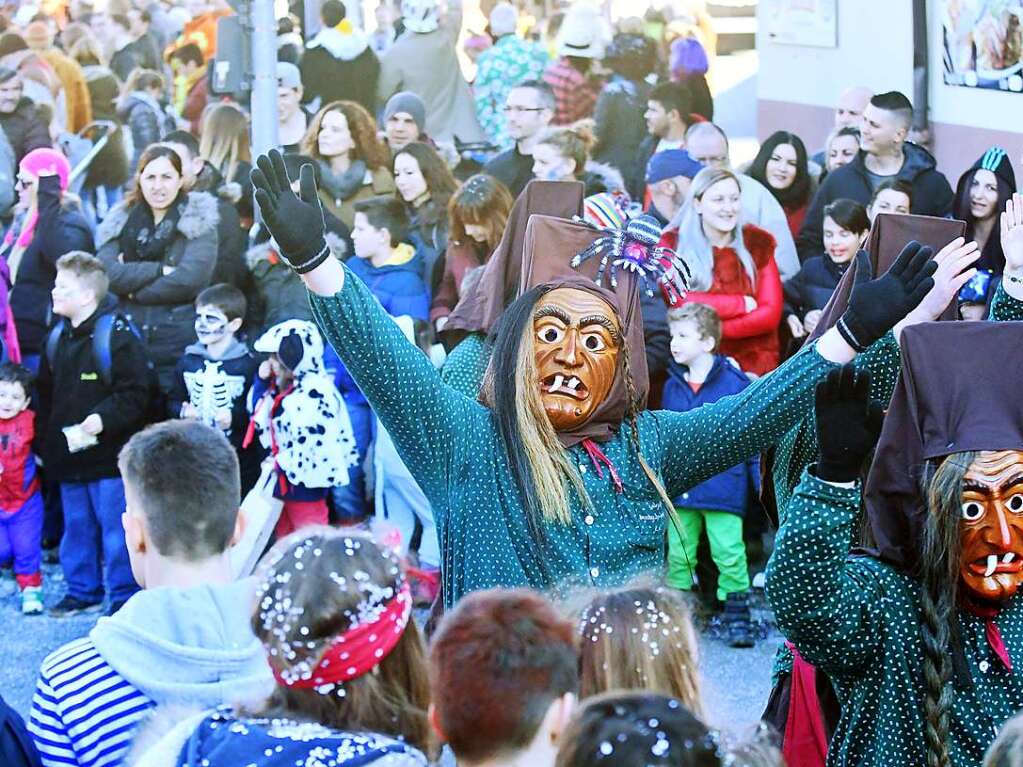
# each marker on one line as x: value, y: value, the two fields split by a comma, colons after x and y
x: 550, y: 244
x: 957, y: 392
x: 888, y: 236
x: 480, y: 306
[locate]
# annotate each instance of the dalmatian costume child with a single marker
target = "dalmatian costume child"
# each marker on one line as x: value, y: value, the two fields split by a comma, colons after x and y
x: 302, y: 421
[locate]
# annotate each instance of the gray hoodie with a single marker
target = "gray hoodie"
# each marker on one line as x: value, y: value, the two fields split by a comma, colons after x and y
x: 190, y: 646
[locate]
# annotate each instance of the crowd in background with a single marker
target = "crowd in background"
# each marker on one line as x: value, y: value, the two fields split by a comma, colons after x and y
x: 142, y: 289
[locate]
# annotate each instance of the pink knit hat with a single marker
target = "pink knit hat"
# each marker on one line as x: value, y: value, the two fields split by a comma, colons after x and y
x: 43, y: 160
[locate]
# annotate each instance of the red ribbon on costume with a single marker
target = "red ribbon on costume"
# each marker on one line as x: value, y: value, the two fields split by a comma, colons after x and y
x: 360, y: 649
x: 805, y: 742
x: 597, y: 457
x: 988, y: 614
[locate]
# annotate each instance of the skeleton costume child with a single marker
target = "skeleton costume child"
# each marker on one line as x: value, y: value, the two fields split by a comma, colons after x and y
x: 517, y: 503
x: 920, y: 634
x: 303, y: 423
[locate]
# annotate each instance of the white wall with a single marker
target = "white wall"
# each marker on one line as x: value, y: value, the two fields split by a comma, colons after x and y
x: 875, y: 49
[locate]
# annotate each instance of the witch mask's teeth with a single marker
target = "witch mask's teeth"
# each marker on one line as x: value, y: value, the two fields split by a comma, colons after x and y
x: 1007, y: 559
x: 558, y: 381
x: 573, y: 383
x: 992, y: 563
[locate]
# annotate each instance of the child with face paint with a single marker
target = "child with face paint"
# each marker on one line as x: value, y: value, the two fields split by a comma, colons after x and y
x: 302, y: 422
x: 213, y: 376
x: 919, y: 633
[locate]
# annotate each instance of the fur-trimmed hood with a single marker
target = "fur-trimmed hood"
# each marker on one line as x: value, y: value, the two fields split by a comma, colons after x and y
x: 344, y: 45
x: 199, y: 216
x: 597, y: 174
x: 263, y: 250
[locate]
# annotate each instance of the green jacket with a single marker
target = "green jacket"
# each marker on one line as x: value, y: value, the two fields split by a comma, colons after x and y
x: 858, y: 620
x: 466, y: 366
x: 451, y: 445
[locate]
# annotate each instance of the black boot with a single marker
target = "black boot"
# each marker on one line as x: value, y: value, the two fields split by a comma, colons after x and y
x: 738, y: 622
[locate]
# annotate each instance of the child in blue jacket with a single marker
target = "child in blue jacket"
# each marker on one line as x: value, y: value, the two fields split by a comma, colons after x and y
x: 697, y: 376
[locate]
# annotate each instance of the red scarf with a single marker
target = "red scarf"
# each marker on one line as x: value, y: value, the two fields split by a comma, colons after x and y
x: 358, y: 650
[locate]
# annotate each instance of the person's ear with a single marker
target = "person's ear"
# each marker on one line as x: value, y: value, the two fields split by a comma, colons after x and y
x: 559, y: 715
x: 385, y: 236
x: 708, y: 344
x: 235, y: 325
x: 134, y: 533
x: 241, y: 522
x: 434, y: 719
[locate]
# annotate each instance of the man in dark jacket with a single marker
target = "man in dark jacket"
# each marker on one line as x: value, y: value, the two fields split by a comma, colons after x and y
x: 884, y: 154
x: 339, y: 64
x: 86, y: 414
x: 528, y: 111
x: 19, y: 117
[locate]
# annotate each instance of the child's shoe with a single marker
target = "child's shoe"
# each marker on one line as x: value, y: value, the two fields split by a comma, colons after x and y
x: 32, y: 601
x: 70, y: 606
x: 738, y: 621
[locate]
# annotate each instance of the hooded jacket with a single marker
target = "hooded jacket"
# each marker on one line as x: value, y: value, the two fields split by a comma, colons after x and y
x: 932, y: 195
x: 621, y: 128
x: 165, y: 646
x: 61, y: 228
x: 305, y: 426
x: 161, y: 305
x: 340, y: 65
x: 25, y: 129
x: 72, y: 388
x: 146, y: 121
x: 812, y: 288
x: 731, y: 490
x: 997, y: 161
x: 398, y: 284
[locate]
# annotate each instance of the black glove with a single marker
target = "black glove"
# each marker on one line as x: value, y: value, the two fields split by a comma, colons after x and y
x: 296, y: 223
x: 875, y: 306
x: 848, y: 424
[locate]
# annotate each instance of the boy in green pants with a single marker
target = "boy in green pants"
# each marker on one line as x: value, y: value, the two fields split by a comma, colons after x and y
x: 696, y: 375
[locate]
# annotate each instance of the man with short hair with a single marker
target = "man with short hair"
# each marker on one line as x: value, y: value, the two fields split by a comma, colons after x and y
x: 338, y: 63
x: 500, y: 68
x: 708, y: 144
x: 185, y: 639
x: 146, y: 44
x: 125, y: 57
x: 20, y: 119
x: 667, y: 117
x: 292, y: 120
x: 848, y: 114
x: 884, y: 155
x: 504, y: 673
x: 190, y: 86
x: 528, y: 112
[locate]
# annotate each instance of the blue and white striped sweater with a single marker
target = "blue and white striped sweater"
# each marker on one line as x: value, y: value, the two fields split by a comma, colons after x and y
x: 84, y: 713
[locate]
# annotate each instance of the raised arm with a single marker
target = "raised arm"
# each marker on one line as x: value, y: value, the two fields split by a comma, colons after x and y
x: 826, y: 604
x: 426, y: 419
x: 700, y: 443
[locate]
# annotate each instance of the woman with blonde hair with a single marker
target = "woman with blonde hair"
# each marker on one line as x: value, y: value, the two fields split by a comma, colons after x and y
x: 477, y: 214
x: 354, y: 163
x: 733, y: 270
x: 563, y: 154
x: 224, y: 144
x: 639, y: 639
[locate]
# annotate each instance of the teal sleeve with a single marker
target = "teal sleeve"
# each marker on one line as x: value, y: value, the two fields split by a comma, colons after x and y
x: 697, y: 444
x: 1005, y: 308
x: 826, y: 603
x: 466, y: 366
x: 424, y: 417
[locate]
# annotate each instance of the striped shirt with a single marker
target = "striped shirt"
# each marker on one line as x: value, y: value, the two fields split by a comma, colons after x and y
x: 83, y: 712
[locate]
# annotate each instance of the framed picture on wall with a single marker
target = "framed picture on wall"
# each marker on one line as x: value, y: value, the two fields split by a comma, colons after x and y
x: 801, y: 22
x: 983, y: 42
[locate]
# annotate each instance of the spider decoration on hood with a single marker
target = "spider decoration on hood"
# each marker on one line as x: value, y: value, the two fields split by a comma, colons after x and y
x: 635, y: 249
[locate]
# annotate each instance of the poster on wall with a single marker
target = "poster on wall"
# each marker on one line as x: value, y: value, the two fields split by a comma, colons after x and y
x: 801, y: 22
x: 984, y: 43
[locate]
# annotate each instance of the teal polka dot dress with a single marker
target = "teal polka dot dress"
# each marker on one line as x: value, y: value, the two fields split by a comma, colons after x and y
x: 450, y: 444
x: 858, y: 620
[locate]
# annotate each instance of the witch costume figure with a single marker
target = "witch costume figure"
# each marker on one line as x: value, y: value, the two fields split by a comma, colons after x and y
x: 557, y: 477
x: 920, y: 633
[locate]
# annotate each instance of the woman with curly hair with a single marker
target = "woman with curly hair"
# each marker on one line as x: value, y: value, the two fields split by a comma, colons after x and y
x: 353, y: 161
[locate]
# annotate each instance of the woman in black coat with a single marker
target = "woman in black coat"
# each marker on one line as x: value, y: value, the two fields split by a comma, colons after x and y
x: 47, y: 224
x: 159, y: 248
